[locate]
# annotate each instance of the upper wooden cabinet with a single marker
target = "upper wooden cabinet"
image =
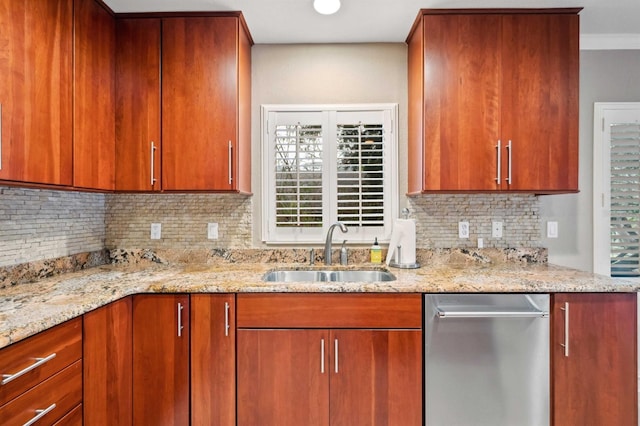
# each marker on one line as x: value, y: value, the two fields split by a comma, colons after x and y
x: 35, y: 91
x: 206, y: 101
x: 94, y: 96
x: 201, y: 107
x: 493, y: 101
x: 137, y: 122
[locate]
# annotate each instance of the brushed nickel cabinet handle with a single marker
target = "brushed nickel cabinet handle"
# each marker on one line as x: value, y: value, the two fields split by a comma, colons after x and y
x: 499, y: 162
x: 509, y: 176
x: 322, y: 356
x: 226, y: 319
x: 180, y: 327
x: 230, y: 163
x: 153, y: 174
x: 335, y: 353
x: 40, y: 414
x: 565, y: 345
x: 39, y: 361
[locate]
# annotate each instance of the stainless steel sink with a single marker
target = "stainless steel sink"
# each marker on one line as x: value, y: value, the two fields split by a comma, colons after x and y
x: 328, y: 276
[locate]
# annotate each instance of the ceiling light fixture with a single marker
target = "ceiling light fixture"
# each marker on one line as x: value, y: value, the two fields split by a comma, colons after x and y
x: 326, y: 7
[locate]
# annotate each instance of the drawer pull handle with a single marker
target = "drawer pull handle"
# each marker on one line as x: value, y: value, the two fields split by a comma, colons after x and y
x: 39, y: 361
x: 335, y: 343
x: 40, y: 414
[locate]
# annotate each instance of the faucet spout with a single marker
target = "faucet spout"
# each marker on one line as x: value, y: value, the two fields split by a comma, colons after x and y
x: 327, y: 243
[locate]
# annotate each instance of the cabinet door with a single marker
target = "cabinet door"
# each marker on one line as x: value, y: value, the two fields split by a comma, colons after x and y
x: 376, y: 377
x: 283, y: 377
x: 461, y: 126
x: 138, y: 105
x: 199, y: 102
x: 161, y: 359
x: 35, y: 91
x: 540, y: 101
x: 94, y: 96
x: 595, y: 377
x: 106, y: 362
x: 213, y: 360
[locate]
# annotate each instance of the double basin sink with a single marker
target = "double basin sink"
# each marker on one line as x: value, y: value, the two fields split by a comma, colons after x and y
x: 359, y: 275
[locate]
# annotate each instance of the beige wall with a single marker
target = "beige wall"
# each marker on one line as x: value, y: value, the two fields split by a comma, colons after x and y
x: 605, y: 76
x: 326, y: 74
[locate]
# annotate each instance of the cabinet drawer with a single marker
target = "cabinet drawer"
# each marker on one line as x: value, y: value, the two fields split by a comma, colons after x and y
x: 329, y: 310
x: 56, y: 396
x: 58, y: 347
x: 72, y: 418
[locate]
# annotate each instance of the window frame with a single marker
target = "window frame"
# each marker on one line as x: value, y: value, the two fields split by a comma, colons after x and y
x: 603, y: 114
x: 356, y: 234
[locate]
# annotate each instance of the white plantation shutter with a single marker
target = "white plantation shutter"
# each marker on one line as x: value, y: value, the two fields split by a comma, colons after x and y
x: 360, y: 173
x: 323, y: 164
x: 625, y: 199
x: 298, y: 175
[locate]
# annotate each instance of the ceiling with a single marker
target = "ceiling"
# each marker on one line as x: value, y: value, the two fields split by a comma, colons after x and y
x: 361, y: 21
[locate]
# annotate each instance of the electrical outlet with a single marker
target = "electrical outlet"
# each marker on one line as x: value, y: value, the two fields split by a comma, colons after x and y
x: 463, y: 229
x: 156, y: 231
x: 212, y: 231
x: 496, y: 229
x: 552, y: 229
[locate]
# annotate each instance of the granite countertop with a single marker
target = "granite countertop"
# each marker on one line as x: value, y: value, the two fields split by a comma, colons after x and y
x: 29, y: 308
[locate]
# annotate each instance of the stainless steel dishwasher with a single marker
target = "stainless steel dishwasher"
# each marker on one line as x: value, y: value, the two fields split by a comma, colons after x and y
x: 487, y: 360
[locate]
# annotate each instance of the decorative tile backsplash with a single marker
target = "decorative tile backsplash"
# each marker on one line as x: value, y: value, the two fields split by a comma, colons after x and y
x: 37, y: 224
x: 437, y: 218
x: 183, y: 219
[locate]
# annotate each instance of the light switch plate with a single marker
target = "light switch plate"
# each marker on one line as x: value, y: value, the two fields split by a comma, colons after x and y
x: 496, y: 229
x: 463, y: 229
x: 156, y: 231
x: 212, y: 231
x: 552, y: 229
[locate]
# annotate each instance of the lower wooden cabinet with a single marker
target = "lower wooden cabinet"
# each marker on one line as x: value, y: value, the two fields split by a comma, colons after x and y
x: 594, y: 359
x: 213, y: 359
x: 161, y: 359
x: 370, y: 374
x: 107, y: 356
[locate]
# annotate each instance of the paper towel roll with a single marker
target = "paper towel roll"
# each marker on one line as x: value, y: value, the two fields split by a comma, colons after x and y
x: 403, y: 235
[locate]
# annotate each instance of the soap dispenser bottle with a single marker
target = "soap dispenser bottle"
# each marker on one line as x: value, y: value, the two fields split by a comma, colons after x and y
x: 376, y: 252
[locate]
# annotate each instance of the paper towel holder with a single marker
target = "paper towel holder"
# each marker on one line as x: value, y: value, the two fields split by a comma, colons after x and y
x: 397, y: 263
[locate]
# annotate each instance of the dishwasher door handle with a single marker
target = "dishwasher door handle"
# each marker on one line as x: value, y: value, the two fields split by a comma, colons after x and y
x: 491, y: 314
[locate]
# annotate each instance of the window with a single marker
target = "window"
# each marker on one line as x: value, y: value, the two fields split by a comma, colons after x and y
x: 617, y: 189
x: 323, y: 164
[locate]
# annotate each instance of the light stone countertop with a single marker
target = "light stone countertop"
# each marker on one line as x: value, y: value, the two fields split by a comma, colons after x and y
x: 26, y: 309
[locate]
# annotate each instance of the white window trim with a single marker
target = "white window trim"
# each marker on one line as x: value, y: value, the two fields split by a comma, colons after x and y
x: 601, y: 183
x: 356, y: 234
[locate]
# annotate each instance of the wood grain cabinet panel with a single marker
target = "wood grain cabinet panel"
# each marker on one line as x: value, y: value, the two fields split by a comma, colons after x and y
x: 329, y: 376
x: 283, y: 377
x: 493, y: 101
x: 161, y: 359
x: 595, y: 377
x: 107, y: 364
x: 376, y: 377
x: 36, y: 91
x: 94, y: 96
x: 206, y: 64
x: 213, y: 359
x: 138, y: 143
